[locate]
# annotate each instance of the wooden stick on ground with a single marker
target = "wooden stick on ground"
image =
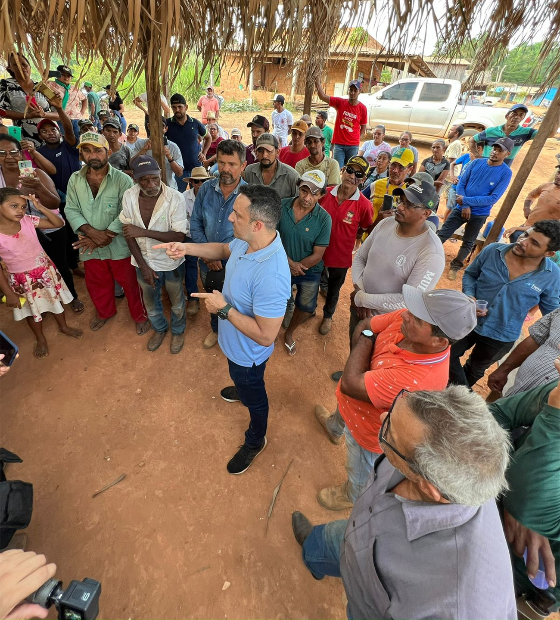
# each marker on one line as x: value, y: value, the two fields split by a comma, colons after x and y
x: 275, y: 494
x: 111, y: 484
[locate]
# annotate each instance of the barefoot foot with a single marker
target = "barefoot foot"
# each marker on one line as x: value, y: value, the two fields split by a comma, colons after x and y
x: 41, y: 350
x: 73, y: 332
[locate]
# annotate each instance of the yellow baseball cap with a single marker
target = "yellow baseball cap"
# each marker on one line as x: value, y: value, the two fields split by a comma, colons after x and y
x: 94, y: 139
x: 403, y: 156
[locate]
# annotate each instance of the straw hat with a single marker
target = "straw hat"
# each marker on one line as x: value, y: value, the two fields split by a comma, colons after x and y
x: 198, y: 173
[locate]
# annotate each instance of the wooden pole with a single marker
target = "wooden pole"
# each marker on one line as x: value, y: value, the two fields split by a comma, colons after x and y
x: 153, y: 93
x: 549, y: 122
x: 309, y: 89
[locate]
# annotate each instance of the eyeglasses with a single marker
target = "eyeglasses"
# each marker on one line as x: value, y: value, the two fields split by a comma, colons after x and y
x: 385, y: 429
x: 13, y: 153
x: 359, y: 174
x: 408, y: 205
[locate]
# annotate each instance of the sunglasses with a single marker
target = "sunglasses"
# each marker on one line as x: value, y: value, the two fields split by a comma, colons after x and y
x: 197, y: 181
x: 357, y: 173
x: 385, y: 429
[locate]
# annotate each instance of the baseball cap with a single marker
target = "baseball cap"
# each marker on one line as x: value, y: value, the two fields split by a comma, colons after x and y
x: 235, y: 132
x: 307, y: 119
x: 64, y: 69
x: 300, y: 126
x: 259, y: 121
x: 177, y: 98
x: 108, y: 87
x: 420, y: 176
x: 112, y: 122
x: 504, y: 143
x: 314, y: 132
x: 45, y: 121
x: 313, y: 179
x: 359, y: 161
x: 94, y: 139
x: 267, y: 139
x: 452, y: 311
x: 355, y: 83
x: 279, y: 98
x: 103, y: 113
x: 210, y: 88
x: 84, y: 121
x: 517, y: 106
x: 143, y: 165
x: 133, y: 126
x: 403, y: 156
x: 420, y: 193
x: 88, y: 84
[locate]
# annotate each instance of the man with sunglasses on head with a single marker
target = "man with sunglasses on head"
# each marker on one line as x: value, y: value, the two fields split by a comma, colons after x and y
x: 425, y: 539
x: 349, y: 210
x: 405, y: 349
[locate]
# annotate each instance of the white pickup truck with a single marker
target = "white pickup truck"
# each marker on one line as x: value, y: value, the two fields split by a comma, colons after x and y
x: 429, y: 107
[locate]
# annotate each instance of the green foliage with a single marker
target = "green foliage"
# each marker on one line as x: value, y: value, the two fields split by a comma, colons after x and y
x: 386, y: 76
x: 240, y: 106
x: 520, y: 63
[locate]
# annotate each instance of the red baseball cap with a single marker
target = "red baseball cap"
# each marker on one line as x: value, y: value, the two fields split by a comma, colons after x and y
x: 44, y: 122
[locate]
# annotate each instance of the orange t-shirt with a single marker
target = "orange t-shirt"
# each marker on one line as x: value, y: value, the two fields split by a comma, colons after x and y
x: 391, y: 370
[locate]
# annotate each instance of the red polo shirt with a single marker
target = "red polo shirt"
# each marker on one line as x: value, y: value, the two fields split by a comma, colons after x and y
x: 354, y: 213
x: 391, y: 370
x: 349, y: 118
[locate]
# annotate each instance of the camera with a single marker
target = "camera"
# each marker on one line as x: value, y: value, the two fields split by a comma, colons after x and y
x: 80, y: 600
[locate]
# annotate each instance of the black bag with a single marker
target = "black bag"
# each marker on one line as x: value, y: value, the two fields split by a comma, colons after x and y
x: 16, y: 501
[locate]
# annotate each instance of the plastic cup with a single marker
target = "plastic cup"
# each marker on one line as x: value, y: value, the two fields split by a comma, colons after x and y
x: 482, y: 305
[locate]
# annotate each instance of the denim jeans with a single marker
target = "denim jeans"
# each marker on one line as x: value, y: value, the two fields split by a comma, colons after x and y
x: 182, y: 185
x: 451, y: 198
x: 472, y: 228
x: 191, y: 272
x: 343, y: 152
x: 251, y: 389
x: 307, y: 292
x: 321, y: 549
x: 359, y: 461
x: 173, y: 282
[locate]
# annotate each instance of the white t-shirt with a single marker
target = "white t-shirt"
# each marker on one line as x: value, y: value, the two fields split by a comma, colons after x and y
x: 281, y: 121
x: 454, y: 150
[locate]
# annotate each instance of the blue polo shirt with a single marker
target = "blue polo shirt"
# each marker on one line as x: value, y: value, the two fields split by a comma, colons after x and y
x: 487, y: 277
x: 186, y: 138
x: 256, y: 284
x: 66, y: 160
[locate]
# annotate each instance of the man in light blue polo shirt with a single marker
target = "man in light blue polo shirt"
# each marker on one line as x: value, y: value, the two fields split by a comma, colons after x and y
x: 251, y: 306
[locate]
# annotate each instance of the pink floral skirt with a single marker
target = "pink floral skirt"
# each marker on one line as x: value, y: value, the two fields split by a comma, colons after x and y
x: 42, y: 287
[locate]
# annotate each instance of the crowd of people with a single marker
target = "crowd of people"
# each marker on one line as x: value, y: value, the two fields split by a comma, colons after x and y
x: 435, y: 475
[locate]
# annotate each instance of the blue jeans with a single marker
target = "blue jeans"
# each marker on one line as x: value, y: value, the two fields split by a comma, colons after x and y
x: 343, y: 152
x: 182, y: 185
x: 191, y: 272
x: 173, y: 282
x: 307, y: 291
x: 321, y: 549
x: 473, y: 227
x: 451, y: 197
x: 359, y: 461
x: 251, y: 389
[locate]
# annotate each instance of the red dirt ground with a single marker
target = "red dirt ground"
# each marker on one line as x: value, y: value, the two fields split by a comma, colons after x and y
x: 164, y: 541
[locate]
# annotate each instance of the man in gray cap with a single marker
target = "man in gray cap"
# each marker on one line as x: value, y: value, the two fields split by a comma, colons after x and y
x: 408, y: 349
x: 317, y: 160
x: 269, y: 170
x: 481, y: 185
x: 154, y: 213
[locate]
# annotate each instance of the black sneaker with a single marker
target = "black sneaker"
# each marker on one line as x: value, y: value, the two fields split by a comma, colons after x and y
x: 243, y: 459
x: 230, y: 394
x: 336, y: 375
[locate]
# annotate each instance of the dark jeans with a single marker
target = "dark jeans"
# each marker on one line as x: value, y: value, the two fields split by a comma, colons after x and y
x: 191, y: 272
x: 54, y: 244
x: 249, y: 382
x: 336, y: 277
x: 472, y: 228
x: 486, y: 351
x: 182, y: 185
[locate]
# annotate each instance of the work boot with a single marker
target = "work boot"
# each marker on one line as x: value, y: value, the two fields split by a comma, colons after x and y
x: 210, y: 340
x: 192, y: 307
x: 325, y: 326
x: 323, y: 414
x: 177, y: 342
x: 335, y: 498
x: 155, y: 341
x: 301, y: 527
x: 452, y: 274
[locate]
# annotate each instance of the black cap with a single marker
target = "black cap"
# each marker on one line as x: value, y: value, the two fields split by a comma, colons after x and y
x: 112, y: 122
x: 108, y: 87
x: 64, y: 69
x: 259, y: 121
x: 422, y: 193
x: 505, y: 143
x: 178, y: 98
x: 279, y: 99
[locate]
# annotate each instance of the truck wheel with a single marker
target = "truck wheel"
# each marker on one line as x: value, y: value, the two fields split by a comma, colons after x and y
x: 470, y: 131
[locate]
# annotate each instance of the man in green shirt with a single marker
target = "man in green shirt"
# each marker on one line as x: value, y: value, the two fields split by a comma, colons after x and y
x: 305, y: 231
x: 321, y: 122
x: 93, y: 205
x: 94, y: 104
x: 532, y: 504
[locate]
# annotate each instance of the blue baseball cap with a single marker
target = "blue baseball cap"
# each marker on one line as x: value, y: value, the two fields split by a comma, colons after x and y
x: 355, y: 83
x: 518, y: 106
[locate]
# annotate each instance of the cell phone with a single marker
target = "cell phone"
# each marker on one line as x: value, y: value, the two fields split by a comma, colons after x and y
x: 26, y: 168
x: 45, y: 90
x: 387, y: 203
x: 15, y: 132
x: 30, y: 100
x: 8, y: 349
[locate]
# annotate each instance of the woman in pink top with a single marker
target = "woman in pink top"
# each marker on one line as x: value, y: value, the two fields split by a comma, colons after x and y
x: 31, y: 273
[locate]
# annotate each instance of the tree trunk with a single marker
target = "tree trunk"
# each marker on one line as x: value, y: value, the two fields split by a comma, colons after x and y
x: 153, y: 93
x: 549, y: 122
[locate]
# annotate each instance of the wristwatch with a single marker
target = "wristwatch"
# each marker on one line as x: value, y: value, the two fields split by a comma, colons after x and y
x: 223, y: 312
x: 368, y: 334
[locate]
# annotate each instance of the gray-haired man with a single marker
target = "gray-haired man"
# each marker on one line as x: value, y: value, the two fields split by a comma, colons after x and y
x: 425, y: 538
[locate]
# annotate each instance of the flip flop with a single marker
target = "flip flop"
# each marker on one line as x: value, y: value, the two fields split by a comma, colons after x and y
x: 291, y: 348
x: 78, y: 307
x: 143, y: 328
x: 96, y: 323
